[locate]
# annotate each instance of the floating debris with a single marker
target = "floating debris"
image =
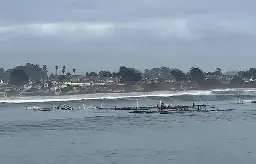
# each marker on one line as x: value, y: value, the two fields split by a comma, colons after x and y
x: 35, y: 108
x: 59, y: 107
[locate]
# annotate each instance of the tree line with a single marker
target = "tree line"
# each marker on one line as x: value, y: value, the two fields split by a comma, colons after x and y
x: 21, y: 75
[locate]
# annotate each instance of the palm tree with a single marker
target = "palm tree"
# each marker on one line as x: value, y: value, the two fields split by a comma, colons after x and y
x: 45, y: 68
x: 74, y: 71
x: 56, y: 67
x: 45, y: 71
x: 63, y: 70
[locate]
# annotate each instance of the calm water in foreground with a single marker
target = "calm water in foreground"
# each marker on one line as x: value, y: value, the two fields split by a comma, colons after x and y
x: 100, y: 137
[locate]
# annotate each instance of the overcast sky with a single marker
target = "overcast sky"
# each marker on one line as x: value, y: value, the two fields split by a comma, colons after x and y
x: 90, y: 35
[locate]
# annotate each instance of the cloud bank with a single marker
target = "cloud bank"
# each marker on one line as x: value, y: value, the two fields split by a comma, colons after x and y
x: 127, y: 32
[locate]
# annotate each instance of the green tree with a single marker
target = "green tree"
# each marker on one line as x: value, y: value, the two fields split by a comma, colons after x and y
x: 236, y: 80
x: 93, y: 74
x: 45, y: 68
x: 115, y: 74
x: 165, y: 72
x: 74, y: 71
x: 6, y: 76
x: 63, y: 70
x: 2, y: 73
x: 105, y: 74
x: 252, y: 72
x: 18, y: 77
x: 218, y: 71
x: 34, y: 71
x: 129, y: 74
x: 52, y: 77
x: 178, y: 74
x: 68, y: 74
x: 197, y: 75
x: 154, y: 73
x: 45, y: 72
x: 56, y: 68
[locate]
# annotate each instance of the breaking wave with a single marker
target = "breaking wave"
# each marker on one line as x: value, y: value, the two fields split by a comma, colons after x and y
x: 217, y: 94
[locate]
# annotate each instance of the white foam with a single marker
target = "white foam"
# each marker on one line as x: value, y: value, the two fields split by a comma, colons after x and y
x: 42, y: 99
x: 113, y: 96
x: 235, y: 90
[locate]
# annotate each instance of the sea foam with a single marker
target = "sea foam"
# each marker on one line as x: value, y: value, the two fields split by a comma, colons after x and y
x: 114, y: 96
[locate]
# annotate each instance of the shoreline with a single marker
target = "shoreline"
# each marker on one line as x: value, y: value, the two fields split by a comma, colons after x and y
x: 126, y: 89
x: 129, y: 93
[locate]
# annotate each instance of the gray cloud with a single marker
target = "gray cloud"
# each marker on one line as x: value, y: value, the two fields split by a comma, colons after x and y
x: 95, y: 34
x: 100, y: 10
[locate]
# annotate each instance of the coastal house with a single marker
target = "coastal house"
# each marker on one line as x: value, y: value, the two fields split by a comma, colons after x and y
x: 250, y: 80
x: 2, y: 83
x: 85, y: 79
x: 226, y: 79
x: 111, y: 80
x: 157, y: 80
x: 98, y: 83
x: 76, y: 78
x: 147, y: 81
x: 213, y: 77
x: 100, y: 80
x: 62, y: 78
x: 27, y: 87
x: 78, y: 84
x: 231, y: 73
x: 46, y: 85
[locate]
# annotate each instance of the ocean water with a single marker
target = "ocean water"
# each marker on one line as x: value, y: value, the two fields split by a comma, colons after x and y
x: 105, y: 136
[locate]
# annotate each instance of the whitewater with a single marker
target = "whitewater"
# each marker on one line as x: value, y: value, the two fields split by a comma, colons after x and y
x: 192, y: 95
